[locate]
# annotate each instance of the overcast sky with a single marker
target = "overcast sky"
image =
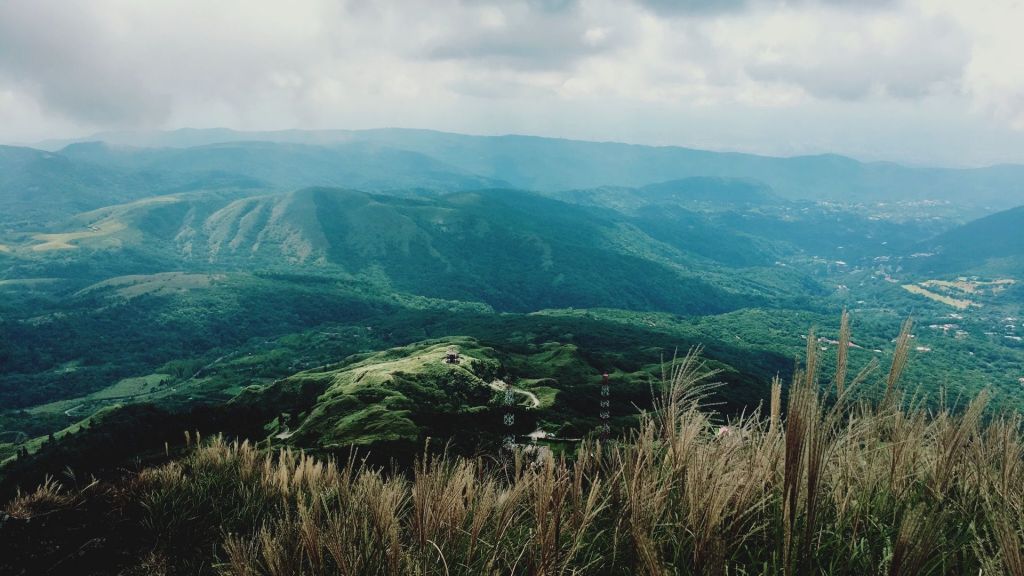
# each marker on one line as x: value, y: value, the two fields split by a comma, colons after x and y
x: 924, y: 81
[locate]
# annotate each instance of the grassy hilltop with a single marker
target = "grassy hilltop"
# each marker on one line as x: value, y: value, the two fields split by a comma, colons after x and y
x: 386, y: 397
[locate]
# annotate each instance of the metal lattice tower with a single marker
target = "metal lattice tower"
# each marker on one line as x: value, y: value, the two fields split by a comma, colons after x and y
x: 605, y: 404
x: 509, y: 419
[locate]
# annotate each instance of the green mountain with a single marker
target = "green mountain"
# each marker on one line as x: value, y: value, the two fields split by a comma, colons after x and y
x: 744, y: 223
x: 509, y: 249
x: 402, y: 396
x: 697, y: 193
x: 37, y: 187
x: 712, y: 193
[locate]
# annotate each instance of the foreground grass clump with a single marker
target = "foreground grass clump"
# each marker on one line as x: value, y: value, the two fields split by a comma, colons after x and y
x: 821, y: 485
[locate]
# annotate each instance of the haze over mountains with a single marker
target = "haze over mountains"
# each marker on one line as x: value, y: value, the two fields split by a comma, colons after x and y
x: 547, y: 164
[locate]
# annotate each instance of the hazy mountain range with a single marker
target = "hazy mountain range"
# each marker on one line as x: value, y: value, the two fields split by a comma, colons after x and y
x: 547, y: 164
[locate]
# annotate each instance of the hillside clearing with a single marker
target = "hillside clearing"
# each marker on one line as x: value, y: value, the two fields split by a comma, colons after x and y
x: 501, y: 386
x: 957, y: 303
x: 392, y: 395
x: 127, y: 388
x: 63, y: 241
x: 971, y: 286
x: 165, y: 283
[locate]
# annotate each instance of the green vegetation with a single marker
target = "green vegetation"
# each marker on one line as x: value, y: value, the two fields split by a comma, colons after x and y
x: 211, y: 345
x: 508, y: 249
x: 141, y: 388
x: 387, y: 396
x: 830, y: 485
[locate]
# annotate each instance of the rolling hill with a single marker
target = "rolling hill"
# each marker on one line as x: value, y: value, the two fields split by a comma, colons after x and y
x: 38, y: 187
x: 513, y: 250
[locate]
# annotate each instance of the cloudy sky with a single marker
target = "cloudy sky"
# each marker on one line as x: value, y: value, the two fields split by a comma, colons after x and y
x: 922, y: 81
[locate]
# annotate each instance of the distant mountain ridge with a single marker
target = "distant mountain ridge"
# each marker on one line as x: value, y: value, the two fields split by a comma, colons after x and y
x: 290, y: 165
x: 40, y: 188
x: 550, y: 164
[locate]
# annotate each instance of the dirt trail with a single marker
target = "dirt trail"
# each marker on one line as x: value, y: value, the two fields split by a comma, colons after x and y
x: 501, y: 386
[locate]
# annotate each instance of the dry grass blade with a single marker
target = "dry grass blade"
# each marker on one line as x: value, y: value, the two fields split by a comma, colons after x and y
x: 775, y: 414
x: 842, y: 353
x: 899, y: 360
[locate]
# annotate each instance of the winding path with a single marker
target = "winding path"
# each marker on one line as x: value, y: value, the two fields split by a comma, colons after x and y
x: 501, y: 386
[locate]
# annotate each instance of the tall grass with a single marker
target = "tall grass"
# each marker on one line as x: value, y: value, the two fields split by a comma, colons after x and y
x: 824, y: 483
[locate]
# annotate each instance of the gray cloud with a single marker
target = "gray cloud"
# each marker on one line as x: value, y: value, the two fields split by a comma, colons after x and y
x: 554, y: 5
x: 675, y: 8
x: 852, y: 65
x: 531, y: 35
x: 671, y: 72
x: 854, y: 4
x: 69, y: 60
x: 692, y: 7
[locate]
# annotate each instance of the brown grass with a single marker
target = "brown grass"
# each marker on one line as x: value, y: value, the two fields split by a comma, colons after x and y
x: 48, y: 496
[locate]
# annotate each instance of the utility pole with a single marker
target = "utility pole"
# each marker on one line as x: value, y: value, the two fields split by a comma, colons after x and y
x: 604, y: 430
x: 509, y: 419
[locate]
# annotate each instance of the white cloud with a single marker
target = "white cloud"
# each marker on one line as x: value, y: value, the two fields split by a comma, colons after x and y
x: 994, y: 77
x: 834, y: 53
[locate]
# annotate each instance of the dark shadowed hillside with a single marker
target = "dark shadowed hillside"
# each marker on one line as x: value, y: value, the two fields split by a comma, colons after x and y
x: 994, y: 243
